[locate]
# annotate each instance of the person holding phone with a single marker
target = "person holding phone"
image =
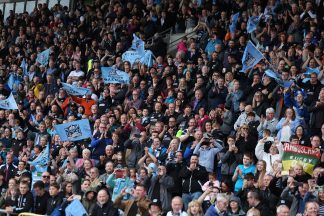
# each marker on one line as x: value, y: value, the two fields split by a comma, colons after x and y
x: 118, y: 180
x: 160, y: 185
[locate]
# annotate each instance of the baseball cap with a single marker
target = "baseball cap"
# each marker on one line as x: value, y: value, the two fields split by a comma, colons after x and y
x: 156, y: 202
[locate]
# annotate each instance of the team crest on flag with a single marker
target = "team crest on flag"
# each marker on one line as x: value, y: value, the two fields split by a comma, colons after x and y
x: 73, y: 131
x: 251, y: 57
x: 9, y: 103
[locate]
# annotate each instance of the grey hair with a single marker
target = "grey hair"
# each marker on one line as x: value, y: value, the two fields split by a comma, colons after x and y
x: 270, y: 110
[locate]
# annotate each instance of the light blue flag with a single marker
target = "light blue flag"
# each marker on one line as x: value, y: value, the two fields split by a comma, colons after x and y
x: 13, y: 81
x: 133, y: 57
x: 305, y: 80
x: 272, y: 74
x: 74, y: 131
x: 40, y: 164
x: 75, y: 90
x: 75, y: 208
x: 252, y: 23
x: 9, y: 103
x: 235, y: 17
x: 42, y: 159
x: 42, y: 58
x: 138, y: 45
x: 147, y: 59
x: 288, y: 83
x: 24, y: 67
x: 112, y: 75
x: 233, y: 24
x: 251, y: 57
x: 312, y: 70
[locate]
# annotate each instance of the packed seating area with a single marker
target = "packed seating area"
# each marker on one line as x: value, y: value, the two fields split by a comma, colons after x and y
x: 99, y: 117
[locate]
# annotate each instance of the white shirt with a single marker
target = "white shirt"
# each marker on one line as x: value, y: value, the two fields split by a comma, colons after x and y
x: 76, y: 73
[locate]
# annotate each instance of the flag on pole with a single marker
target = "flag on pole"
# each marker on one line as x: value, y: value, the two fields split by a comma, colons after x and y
x: 251, y: 57
x: 75, y: 90
x: 74, y: 131
x: 9, y: 103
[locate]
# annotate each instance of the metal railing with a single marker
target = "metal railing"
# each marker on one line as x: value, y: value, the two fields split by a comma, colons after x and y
x: 174, y: 43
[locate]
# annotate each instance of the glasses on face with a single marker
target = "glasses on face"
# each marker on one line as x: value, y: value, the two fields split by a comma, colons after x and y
x: 45, y: 176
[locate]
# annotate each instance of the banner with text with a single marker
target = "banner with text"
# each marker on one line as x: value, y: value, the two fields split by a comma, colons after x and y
x: 298, y: 154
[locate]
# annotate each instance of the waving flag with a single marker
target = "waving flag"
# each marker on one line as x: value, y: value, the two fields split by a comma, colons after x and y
x: 75, y: 208
x: 74, y: 90
x: 74, y: 131
x: 272, y: 74
x: 42, y: 58
x: 138, y: 45
x: 312, y: 70
x: 251, y: 56
x: 147, y: 59
x: 278, y: 79
x: 133, y: 57
x: 112, y: 75
x: 40, y: 164
x: 42, y: 159
x: 252, y: 23
x: 24, y: 66
x: 9, y: 103
x: 13, y: 81
x: 233, y: 24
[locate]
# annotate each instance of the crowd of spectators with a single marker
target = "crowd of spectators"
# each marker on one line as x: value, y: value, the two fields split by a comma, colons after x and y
x: 191, y: 135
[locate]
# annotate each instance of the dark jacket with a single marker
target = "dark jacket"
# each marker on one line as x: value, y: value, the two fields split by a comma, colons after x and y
x: 106, y: 209
x: 216, y: 96
x: 52, y: 203
x: 173, y: 170
x: 193, y: 180
x: 24, y: 203
x: 316, y: 115
x: 8, y: 173
x: 312, y: 91
x: 41, y: 203
x: 165, y: 183
x: 264, y: 209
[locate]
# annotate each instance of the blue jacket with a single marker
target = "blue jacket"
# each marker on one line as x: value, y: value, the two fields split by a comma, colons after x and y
x: 211, y: 211
x: 301, y: 110
x: 98, y: 146
x: 294, y: 124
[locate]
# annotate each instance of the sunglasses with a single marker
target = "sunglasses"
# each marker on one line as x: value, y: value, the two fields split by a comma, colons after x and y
x: 45, y: 176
